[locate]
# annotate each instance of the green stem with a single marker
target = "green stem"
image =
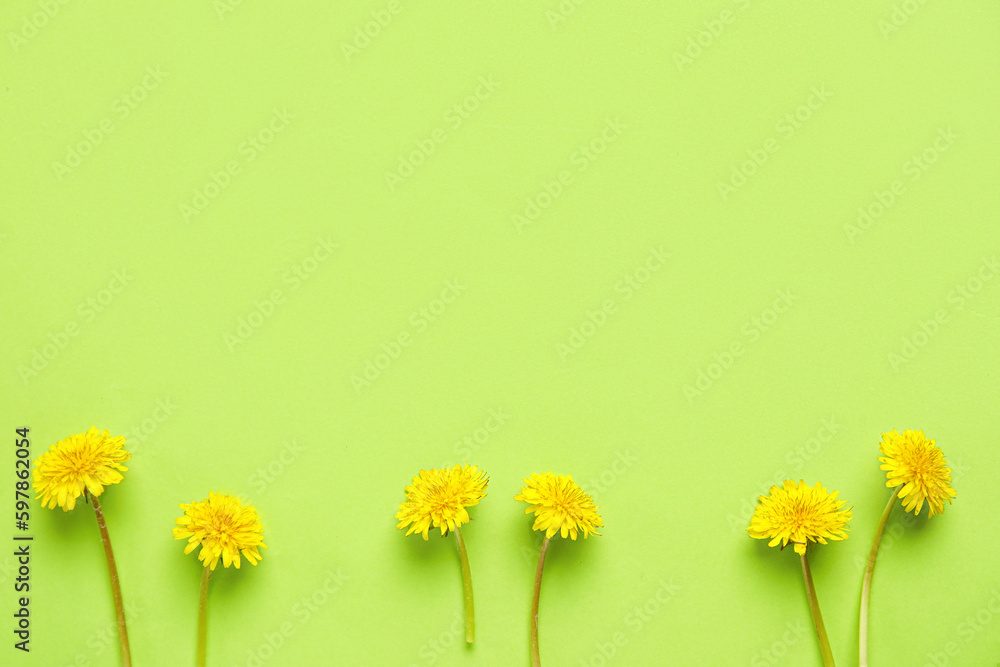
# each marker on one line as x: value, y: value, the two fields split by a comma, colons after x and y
x: 535, y: 659
x: 866, y: 587
x: 824, y: 641
x: 470, y: 610
x: 116, y: 589
x: 203, y: 617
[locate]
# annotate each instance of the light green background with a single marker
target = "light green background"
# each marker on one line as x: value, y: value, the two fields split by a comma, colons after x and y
x: 675, y: 472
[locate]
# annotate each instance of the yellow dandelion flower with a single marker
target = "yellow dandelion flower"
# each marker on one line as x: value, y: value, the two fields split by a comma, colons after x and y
x: 438, y: 498
x: 917, y: 472
x: 223, y: 527
x: 915, y: 462
x: 82, y: 465
x: 82, y: 462
x: 797, y: 514
x: 560, y: 506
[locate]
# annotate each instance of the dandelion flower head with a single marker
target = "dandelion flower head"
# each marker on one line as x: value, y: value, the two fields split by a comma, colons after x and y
x: 223, y: 527
x: 799, y: 514
x: 439, y: 497
x: 914, y: 461
x: 83, y: 462
x: 560, y: 506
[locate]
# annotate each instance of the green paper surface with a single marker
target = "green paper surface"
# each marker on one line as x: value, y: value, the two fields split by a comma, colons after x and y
x: 681, y: 251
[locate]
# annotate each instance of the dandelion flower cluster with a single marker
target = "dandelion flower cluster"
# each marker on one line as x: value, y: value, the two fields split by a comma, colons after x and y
x: 915, y: 462
x: 439, y: 497
x: 560, y: 506
x: 82, y: 462
x: 223, y: 527
x: 799, y: 513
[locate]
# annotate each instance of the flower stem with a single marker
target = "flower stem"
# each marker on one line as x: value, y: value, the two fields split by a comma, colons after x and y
x: 116, y: 589
x: 866, y: 587
x: 203, y: 617
x: 535, y: 660
x: 824, y: 641
x: 470, y: 609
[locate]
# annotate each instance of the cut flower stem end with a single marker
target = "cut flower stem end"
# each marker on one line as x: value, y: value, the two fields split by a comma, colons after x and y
x: 203, y: 617
x: 866, y: 587
x: 535, y: 658
x: 116, y: 589
x: 470, y: 612
x: 824, y: 641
